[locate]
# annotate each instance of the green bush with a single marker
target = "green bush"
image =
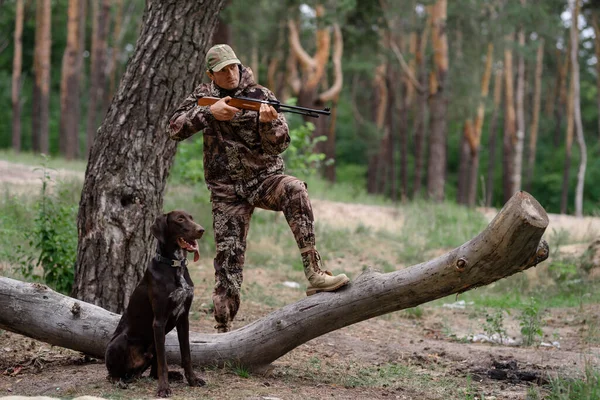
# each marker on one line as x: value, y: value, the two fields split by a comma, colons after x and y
x: 52, y: 243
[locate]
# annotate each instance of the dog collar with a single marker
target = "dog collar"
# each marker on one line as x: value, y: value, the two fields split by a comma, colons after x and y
x: 170, y: 262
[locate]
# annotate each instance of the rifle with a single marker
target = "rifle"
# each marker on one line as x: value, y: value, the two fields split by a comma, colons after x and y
x: 246, y: 103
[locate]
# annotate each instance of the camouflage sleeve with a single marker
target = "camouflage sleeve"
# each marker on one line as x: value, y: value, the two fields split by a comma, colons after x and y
x: 189, y: 118
x: 275, y: 135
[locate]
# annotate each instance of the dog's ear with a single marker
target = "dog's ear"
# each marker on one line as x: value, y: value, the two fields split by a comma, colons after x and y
x: 159, y: 228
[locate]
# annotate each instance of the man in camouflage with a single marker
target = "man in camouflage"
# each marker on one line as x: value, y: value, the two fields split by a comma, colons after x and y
x: 243, y: 170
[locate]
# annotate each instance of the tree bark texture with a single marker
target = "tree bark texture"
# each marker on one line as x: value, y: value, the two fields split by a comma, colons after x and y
x: 510, y: 244
x: 131, y: 157
x: 510, y: 132
x: 69, y: 85
x: 520, y: 114
x: 438, y: 106
x: 537, y: 97
x: 16, y: 77
x: 41, y: 88
x: 489, y: 186
x: 101, y: 19
x: 478, y: 128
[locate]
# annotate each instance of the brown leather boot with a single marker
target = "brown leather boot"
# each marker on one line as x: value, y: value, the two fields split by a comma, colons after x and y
x: 318, y: 279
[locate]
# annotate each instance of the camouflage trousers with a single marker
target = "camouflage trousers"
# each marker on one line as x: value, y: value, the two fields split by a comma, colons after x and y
x: 231, y: 220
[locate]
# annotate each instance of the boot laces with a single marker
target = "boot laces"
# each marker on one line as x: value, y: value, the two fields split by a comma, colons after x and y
x: 316, y: 262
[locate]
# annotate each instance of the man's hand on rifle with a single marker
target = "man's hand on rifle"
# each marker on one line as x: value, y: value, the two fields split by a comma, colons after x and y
x: 267, y: 113
x: 223, y: 111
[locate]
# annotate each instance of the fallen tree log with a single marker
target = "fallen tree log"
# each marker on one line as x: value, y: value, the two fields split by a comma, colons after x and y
x: 511, y: 243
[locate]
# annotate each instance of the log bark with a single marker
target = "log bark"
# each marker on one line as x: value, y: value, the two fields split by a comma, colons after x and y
x: 510, y: 244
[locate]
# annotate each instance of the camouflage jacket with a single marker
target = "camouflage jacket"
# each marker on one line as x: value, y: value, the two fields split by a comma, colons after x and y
x: 240, y: 153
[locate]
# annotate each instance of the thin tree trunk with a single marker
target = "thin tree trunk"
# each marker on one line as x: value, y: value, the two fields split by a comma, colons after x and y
x: 100, y: 15
x: 597, y: 52
x: 577, y: 111
x: 41, y: 92
x: 420, y: 112
x: 510, y: 244
x: 489, y: 186
x: 477, y: 130
x: 510, y: 134
x: 436, y: 167
x: 69, y: 86
x: 537, y: 96
x: 131, y: 157
x: 562, y: 97
x: 16, y: 77
x: 564, y: 198
x: 520, y: 113
x: 464, y: 162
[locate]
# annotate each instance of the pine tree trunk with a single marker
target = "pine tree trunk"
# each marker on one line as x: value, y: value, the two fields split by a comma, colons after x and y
x: 510, y: 133
x: 436, y: 166
x: 537, y: 96
x: 16, y: 77
x: 477, y: 129
x: 131, y: 157
x: 69, y: 86
x: 520, y: 113
x: 420, y: 116
x: 564, y: 198
x: 577, y: 111
x: 41, y: 91
x: 559, y: 111
x: 489, y: 186
x: 597, y: 52
x: 101, y: 16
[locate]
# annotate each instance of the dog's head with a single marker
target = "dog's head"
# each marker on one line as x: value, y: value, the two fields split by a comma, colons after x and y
x: 178, y: 228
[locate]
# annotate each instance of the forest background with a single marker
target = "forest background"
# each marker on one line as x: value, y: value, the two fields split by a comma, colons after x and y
x: 469, y: 100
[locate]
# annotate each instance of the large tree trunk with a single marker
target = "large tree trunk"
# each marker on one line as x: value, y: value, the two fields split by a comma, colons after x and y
x: 132, y: 155
x: 537, y: 96
x: 16, y: 77
x: 436, y: 166
x: 41, y: 89
x: 510, y: 244
x: 115, y: 50
x: 101, y: 17
x: 577, y: 111
x: 69, y: 85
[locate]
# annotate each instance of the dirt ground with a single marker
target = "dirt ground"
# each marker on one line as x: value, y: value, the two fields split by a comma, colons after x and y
x: 396, y: 356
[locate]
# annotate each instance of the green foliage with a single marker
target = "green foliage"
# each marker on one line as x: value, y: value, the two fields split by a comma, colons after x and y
x: 300, y: 157
x: 52, y: 242
x: 494, y: 325
x: 531, y: 322
x: 188, y: 167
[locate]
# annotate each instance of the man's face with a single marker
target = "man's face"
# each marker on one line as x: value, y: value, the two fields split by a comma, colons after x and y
x: 227, y: 78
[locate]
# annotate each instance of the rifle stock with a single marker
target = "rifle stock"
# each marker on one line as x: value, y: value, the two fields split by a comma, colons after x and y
x: 245, y: 103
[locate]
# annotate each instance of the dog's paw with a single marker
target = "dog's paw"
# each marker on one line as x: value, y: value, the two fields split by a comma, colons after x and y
x: 195, y: 381
x: 163, y: 392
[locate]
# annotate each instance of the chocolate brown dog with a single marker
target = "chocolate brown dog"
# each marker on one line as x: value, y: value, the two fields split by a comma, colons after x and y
x: 159, y: 303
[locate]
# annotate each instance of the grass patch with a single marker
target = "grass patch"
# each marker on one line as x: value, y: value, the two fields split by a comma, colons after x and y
x: 36, y: 160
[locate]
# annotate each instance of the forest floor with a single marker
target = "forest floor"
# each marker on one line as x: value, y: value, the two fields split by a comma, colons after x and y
x: 429, y: 354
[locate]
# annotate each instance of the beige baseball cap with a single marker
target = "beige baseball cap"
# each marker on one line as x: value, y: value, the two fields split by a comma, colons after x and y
x: 219, y: 56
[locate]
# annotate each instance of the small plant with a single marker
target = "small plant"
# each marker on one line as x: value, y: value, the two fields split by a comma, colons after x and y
x: 300, y: 157
x: 494, y: 325
x: 54, y: 236
x: 530, y: 322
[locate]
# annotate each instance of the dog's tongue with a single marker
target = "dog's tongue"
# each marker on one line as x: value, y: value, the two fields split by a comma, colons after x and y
x: 191, y: 247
